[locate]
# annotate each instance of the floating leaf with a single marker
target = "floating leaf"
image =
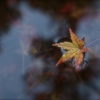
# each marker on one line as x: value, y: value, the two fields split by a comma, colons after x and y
x: 75, y: 49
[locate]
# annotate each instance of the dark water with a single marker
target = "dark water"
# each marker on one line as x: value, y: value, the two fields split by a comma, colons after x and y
x: 27, y: 58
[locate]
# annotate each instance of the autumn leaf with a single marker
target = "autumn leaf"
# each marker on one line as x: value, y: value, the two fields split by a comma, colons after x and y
x: 75, y: 49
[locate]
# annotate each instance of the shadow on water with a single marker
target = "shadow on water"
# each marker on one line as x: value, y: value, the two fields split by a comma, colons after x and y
x: 27, y: 30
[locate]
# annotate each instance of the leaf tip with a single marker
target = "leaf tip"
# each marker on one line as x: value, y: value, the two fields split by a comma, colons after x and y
x: 59, y: 62
x: 70, y: 30
x: 83, y: 39
x: 56, y: 64
x: 77, y: 66
x: 85, y: 49
x: 53, y: 44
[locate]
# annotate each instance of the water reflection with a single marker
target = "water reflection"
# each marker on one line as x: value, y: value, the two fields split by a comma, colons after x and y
x: 28, y: 59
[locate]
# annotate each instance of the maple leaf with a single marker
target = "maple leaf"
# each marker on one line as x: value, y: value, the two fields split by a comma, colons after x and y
x: 75, y: 49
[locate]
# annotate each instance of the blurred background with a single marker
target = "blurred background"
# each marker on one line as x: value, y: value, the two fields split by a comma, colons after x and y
x: 28, y: 28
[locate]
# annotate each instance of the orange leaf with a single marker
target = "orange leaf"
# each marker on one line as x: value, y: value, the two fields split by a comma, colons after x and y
x: 75, y: 50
